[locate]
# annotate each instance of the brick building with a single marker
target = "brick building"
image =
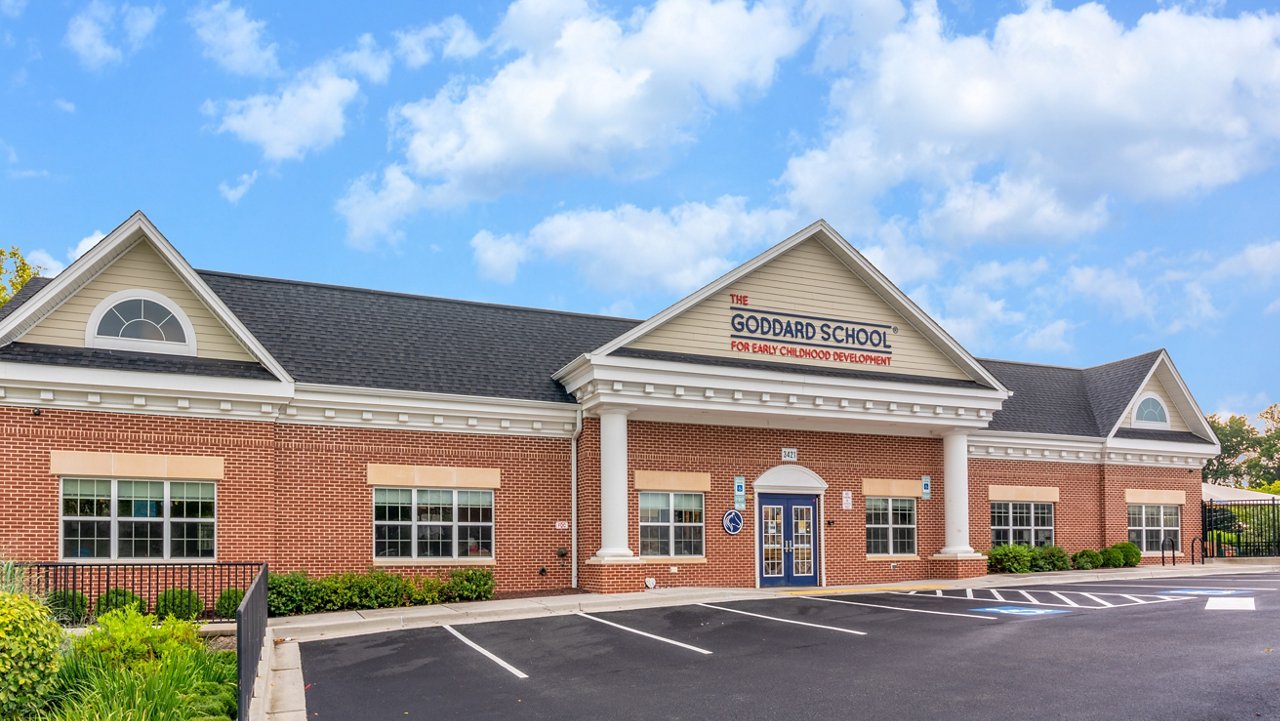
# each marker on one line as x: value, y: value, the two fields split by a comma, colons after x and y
x: 798, y: 421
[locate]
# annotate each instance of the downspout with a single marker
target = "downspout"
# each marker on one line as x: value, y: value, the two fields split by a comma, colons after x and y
x: 573, y: 500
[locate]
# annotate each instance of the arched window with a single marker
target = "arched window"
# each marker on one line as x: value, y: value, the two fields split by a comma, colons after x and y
x: 140, y: 320
x: 1151, y: 412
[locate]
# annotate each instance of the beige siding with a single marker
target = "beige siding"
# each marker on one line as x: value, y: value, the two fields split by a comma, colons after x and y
x: 1157, y: 389
x: 141, y: 267
x: 808, y: 280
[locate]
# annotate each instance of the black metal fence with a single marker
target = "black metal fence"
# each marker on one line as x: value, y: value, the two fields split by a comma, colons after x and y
x: 77, y: 591
x: 251, y: 630
x: 1245, y: 529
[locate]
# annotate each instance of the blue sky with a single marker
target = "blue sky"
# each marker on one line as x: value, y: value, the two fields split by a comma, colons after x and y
x: 1061, y: 183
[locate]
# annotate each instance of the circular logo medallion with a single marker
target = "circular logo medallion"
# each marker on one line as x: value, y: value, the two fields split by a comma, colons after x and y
x: 732, y: 522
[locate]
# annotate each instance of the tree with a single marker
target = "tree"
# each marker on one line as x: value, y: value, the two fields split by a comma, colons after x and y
x: 1263, y: 467
x: 15, y: 271
x: 1239, y: 440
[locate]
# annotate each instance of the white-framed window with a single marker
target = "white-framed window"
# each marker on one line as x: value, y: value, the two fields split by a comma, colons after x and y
x: 671, y: 524
x: 432, y: 523
x: 140, y: 320
x: 891, y: 526
x: 1149, y: 525
x: 1021, y: 523
x: 123, y: 519
x: 1150, y: 413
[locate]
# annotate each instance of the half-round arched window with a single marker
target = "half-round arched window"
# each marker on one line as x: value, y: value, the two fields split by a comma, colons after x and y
x: 140, y: 320
x: 1151, y: 412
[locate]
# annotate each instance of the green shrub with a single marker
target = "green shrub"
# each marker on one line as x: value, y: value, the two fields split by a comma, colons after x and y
x: 289, y: 594
x: 190, y: 684
x: 1049, y: 558
x: 354, y: 591
x: 227, y: 603
x: 13, y: 578
x: 1086, y: 560
x: 117, y: 598
x: 468, y: 584
x: 181, y: 603
x: 125, y: 637
x: 1009, y: 559
x: 1132, y: 554
x: 30, y: 645
x: 68, y: 606
x: 1112, y: 557
x: 425, y: 591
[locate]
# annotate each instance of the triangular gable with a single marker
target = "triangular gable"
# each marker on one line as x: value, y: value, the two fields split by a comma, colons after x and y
x: 136, y: 249
x: 1165, y: 383
x: 825, y: 306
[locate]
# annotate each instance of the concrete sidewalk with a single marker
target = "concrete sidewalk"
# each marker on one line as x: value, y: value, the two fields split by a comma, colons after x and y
x: 285, y: 695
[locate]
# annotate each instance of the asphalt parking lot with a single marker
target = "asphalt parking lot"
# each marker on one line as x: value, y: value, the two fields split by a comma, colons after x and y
x: 1186, y: 648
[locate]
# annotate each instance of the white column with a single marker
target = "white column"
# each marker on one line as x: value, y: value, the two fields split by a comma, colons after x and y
x: 955, y: 491
x: 613, y: 484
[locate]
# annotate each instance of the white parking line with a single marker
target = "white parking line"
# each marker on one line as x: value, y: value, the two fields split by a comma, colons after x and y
x: 638, y: 632
x: 997, y: 595
x: 1092, y: 597
x: 1230, y: 604
x: 896, y: 608
x: 1173, y: 583
x: 785, y: 620
x: 514, y: 671
x: 1064, y: 598
x: 1028, y: 596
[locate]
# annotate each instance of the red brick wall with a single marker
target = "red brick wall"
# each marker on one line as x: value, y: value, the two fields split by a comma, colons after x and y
x: 1077, y: 514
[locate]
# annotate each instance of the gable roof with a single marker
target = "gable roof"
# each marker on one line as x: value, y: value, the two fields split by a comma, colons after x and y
x: 867, y: 273
x: 335, y: 335
x: 1112, y: 386
x: 32, y: 287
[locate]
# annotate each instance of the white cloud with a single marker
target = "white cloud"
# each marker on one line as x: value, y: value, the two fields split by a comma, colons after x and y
x: 64, y: 105
x: 995, y: 274
x: 307, y: 114
x: 47, y: 264
x: 90, y: 32
x: 1114, y: 290
x: 52, y: 266
x: 1195, y: 308
x: 1029, y: 129
x: 588, y: 93
x: 972, y: 315
x: 373, y: 213
x: 451, y: 37
x: 12, y: 8
x: 850, y: 28
x: 233, y: 40
x: 1273, y: 308
x: 368, y: 59
x: 498, y: 257
x: 85, y: 245
x: 630, y: 248
x: 1259, y: 261
x: 233, y: 193
x: 899, y: 259
x: 1049, y: 338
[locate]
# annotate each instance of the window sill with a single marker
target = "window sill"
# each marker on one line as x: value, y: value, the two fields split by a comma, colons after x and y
x: 673, y: 560
x: 140, y: 561
x: 892, y: 557
x: 434, y: 562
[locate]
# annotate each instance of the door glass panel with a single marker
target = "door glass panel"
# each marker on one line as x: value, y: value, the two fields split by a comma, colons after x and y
x: 771, y: 539
x: 802, y: 540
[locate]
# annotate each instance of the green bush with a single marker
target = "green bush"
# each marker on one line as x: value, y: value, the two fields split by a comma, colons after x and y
x: 1049, y: 558
x: 289, y: 594
x: 189, y: 684
x: 117, y: 598
x: 353, y: 591
x: 227, y: 603
x: 30, y: 646
x: 1086, y: 560
x: 125, y: 637
x: 1112, y: 557
x: 68, y: 606
x: 13, y: 578
x: 181, y: 603
x: 426, y: 591
x: 1009, y: 559
x: 468, y: 584
x: 1132, y: 554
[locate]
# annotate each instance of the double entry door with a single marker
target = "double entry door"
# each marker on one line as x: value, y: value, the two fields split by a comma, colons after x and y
x: 788, y: 540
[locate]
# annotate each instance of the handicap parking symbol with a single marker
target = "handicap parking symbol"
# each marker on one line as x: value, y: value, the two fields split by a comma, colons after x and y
x: 1203, y: 592
x: 1021, y: 610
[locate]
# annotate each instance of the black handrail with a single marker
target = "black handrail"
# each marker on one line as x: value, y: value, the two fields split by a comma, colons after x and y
x: 1194, y: 541
x: 251, y: 631
x: 1173, y: 550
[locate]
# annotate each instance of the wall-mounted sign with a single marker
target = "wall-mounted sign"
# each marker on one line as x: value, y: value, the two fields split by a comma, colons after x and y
x: 790, y: 454
x: 740, y: 493
x: 926, y: 487
x: 562, y: 525
x: 732, y: 522
x: 794, y: 335
x: 846, y: 500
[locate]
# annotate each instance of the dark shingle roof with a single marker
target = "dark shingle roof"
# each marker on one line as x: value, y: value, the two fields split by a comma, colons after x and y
x: 131, y: 361
x: 1046, y: 399
x: 1112, y: 385
x: 373, y: 339
x: 23, y: 295
x: 1147, y: 434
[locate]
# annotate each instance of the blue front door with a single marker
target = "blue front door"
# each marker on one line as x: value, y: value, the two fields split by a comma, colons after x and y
x: 788, y: 540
